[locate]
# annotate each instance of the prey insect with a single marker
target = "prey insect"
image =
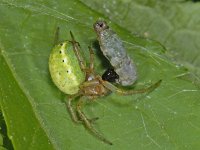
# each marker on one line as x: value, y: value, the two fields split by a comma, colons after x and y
x: 71, y: 75
x: 113, y: 49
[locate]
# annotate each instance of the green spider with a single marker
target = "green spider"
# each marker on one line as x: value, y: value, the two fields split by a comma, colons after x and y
x: 71, y: 75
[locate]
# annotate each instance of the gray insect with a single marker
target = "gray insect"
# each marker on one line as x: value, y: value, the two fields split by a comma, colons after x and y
x: 113, y: 49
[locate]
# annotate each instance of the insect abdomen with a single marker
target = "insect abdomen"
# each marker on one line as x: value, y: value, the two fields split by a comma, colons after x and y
x: 112, y: 48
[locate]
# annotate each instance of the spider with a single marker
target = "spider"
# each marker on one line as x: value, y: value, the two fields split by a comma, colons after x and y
x: 71, y: 75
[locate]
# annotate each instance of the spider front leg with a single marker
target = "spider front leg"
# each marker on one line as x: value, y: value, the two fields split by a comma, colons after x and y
x: 91, y: 59
x: 88, y: 124
x: 76, y: 48
x: 117, y: 90
x: 56, y: 36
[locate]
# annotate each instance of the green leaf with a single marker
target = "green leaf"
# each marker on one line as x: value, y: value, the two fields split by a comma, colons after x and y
x: 33, y: 108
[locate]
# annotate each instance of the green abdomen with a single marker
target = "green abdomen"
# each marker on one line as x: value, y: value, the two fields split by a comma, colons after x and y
x: 64, y: 68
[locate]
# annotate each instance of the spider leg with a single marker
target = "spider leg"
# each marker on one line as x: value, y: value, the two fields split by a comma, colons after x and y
x: 117, y: 90
x: 88, y: 124
x: 56, y: 36
x: 91, y: 59
x: 76, y: 48
x: 71, y: 109
x: 92, y: 120
x: 73, y: 112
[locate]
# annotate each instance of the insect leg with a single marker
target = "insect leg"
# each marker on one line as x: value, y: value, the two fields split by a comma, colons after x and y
x: 130, y: 92
x: 76, y: 48
x: 88, y: 124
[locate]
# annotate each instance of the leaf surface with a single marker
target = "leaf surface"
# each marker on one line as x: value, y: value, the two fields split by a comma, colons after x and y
x: 33, y: 107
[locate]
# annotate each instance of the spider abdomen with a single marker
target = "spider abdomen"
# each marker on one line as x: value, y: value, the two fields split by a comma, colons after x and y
x: 64, y: 68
